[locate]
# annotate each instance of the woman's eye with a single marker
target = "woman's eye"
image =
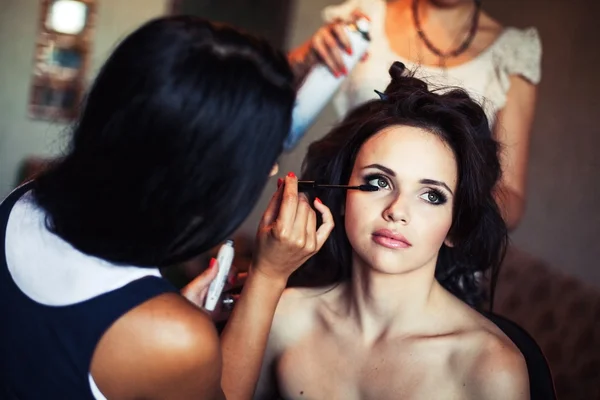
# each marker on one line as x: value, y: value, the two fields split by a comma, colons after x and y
x: 379, y: 182
x: 433, y: 197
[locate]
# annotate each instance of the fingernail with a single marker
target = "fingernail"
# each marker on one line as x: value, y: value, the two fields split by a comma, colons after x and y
x: 213, y: 263
x: 231, y: 280
x: 318, y: 200
x: 279, y: 182
x: 292, y: 175
x: 349, y: 50
x: 345, y: 71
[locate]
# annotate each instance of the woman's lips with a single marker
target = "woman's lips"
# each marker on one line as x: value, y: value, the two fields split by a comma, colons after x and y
x: 390, y: 239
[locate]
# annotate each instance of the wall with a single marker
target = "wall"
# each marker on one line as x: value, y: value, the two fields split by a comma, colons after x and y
x: 20, y: 136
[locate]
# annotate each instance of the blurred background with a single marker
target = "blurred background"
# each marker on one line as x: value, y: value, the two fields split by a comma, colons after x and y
x: 551, y: 280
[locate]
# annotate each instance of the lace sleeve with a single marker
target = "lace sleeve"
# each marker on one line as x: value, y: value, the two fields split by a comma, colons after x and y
x: 522, y: 55
x: 518, y: 53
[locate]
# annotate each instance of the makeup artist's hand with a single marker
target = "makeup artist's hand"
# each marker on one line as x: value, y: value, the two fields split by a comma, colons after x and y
x: 326, y: 46
x: 329, y: 42
x: 197, y: 289
x: 288, y: 234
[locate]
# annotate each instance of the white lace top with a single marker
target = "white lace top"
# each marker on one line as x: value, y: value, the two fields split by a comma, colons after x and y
x: 486, y: 77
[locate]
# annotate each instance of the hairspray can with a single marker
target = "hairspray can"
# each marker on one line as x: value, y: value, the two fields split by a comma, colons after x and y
x: 320, y: 84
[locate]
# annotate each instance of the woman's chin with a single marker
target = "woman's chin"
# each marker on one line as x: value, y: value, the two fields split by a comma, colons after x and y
x: 388, y: 264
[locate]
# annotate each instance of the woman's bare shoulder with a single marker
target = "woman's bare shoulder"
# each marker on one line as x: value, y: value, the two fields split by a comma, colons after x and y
x: 304, y: 299
x: 487, y: 23
x: 165, y: 344
x: 297, y: 316
x: 493, y: 366
x: 499, y: 370
x: 298, y: 311
x: 488, y: 31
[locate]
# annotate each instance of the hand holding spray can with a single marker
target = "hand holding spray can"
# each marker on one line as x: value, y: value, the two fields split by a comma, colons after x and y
x: 224, y: 260
x: 320, y: 84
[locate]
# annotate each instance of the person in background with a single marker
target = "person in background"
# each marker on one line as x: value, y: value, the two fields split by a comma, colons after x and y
x: 174, y: 144
x: 447, y: 43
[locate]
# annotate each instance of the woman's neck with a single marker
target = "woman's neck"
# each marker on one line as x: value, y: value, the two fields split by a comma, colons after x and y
x: 451, y: 18
x: 391, y: 304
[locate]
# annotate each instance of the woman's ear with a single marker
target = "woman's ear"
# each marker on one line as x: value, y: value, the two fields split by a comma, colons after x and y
x: 448, y: 242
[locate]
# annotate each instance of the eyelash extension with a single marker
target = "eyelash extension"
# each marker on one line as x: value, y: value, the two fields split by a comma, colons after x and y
x: 441, y: 195
x: 370, y: 177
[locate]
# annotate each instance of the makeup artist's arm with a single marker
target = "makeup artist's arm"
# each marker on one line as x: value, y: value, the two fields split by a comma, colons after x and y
x: 513, y: 129
x: 287, y: 237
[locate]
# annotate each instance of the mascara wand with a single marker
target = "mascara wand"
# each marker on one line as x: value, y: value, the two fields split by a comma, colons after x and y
x: 304, y: 186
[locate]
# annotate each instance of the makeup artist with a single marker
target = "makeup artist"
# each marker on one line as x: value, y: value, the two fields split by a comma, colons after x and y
x: 447, y: 43
x: 172, y: 149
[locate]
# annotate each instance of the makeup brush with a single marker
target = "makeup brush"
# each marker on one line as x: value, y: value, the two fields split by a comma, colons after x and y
x: 304, y: 186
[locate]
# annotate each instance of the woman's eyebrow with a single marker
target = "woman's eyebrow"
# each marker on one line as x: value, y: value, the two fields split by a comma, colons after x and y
x: 382, y: 168
x: 435, y: 183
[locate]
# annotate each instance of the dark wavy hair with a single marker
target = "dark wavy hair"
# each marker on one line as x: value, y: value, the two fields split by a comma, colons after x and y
x: 478, y: 232
x: 174, y: 143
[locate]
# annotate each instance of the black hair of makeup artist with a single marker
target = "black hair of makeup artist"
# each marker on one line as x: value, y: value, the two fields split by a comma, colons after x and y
x: 478, y: 232
x: 174, y: 143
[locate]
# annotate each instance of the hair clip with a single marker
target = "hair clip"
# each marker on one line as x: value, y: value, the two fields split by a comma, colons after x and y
x: 382, y: 96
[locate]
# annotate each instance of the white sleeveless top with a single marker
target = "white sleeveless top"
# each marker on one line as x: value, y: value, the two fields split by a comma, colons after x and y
x: 486, y: 77
x: 56, y: 274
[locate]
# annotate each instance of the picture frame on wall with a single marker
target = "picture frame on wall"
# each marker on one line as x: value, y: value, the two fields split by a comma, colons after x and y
x: 62, y: 58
